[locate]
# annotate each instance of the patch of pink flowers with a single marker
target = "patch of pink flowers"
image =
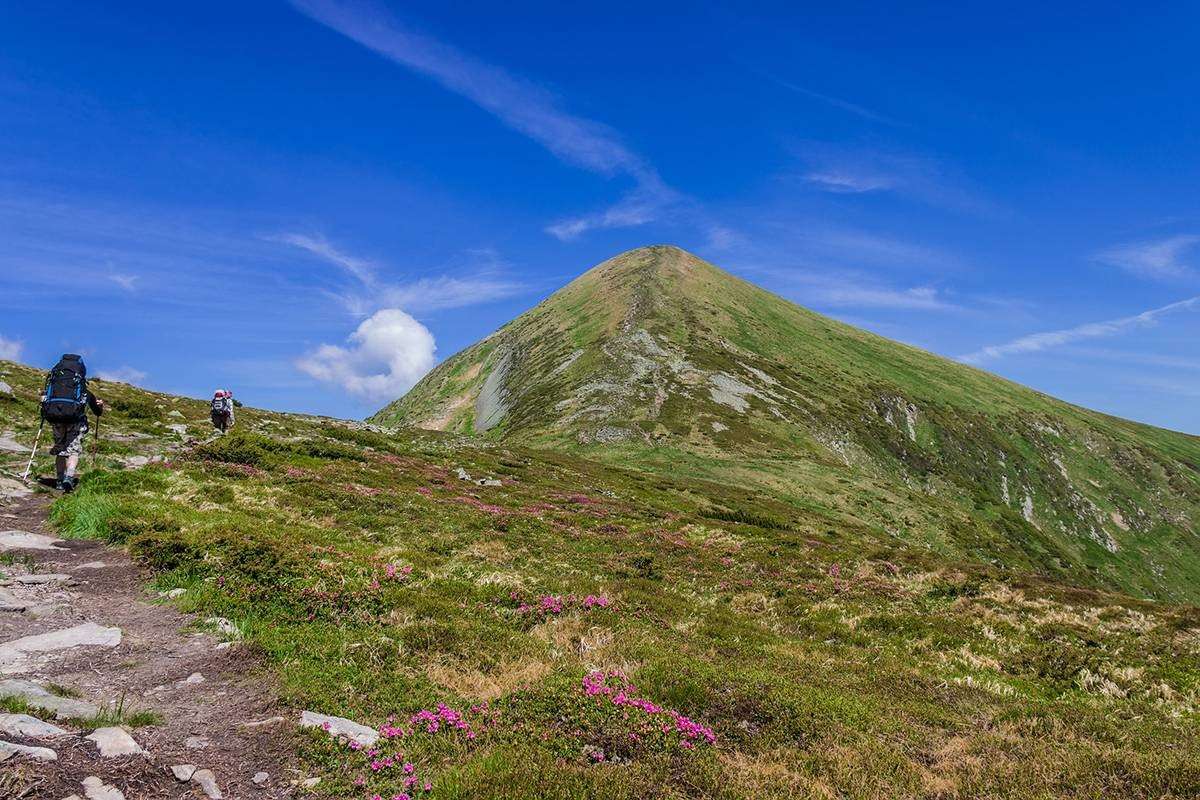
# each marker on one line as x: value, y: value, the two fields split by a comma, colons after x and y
x: 480, y: 505
x: 613, y: 687
x: 551, y: 605
x: 397, y: 573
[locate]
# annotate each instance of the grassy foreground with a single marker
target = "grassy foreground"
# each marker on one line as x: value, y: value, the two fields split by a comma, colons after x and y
x: 585, y: 631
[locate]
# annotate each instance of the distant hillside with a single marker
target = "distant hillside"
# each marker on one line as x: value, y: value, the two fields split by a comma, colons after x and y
x: 659, y: 359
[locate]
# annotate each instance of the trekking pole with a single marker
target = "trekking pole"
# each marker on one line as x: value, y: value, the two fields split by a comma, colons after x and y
x: 33, y: 452
x: 96, y: 444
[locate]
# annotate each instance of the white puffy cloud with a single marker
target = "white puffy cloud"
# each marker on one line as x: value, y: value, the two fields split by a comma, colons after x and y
x: 388, y: 353
x: 10, y: 349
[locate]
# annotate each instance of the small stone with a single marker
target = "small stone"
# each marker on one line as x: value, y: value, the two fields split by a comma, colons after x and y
x: 195, y: 677
x: 225, y: 626
x: 207, y: 783
x: 263, y: 723
x: 115, y: 742
x: 92, y: 565
x: 339, y: 726
x: 309, y: 783
x: 196, y: 742
x: 260, y: 778
x: 29, y: 727
x: 489, y: 482
x: 24, y: 540
x: 8, y: 750
x: 183, y: 772
x: 462, y: 474
x: 5, y: 389
x: 96, y: 789
x: 171, y: 594
x: 223, y: 645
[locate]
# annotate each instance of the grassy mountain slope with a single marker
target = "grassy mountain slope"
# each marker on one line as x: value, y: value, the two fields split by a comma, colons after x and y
x: 659, y: 359
x: 371, y: 579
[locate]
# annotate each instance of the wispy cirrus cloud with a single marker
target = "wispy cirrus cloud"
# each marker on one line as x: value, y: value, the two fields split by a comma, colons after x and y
x: 370, y: 292
x: 126, y: 282
x: 856, y: 290
x: 1159, y: 259
x: 124, y: 374
x: 836, y: 102
x: 841, y: 169
x: 520, y: 104
x: 1037, y: 342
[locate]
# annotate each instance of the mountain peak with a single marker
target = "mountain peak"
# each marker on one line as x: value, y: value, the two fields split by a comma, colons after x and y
x: 659, y: 359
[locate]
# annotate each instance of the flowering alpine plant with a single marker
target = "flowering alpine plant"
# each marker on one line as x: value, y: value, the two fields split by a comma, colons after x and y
x: 612, y: 688
x: 385, y: 763
x: 551, y: 605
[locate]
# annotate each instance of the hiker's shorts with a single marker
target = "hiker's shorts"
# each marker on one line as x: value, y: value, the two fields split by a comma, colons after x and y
x: 68, y: 438
x: 221, y: 420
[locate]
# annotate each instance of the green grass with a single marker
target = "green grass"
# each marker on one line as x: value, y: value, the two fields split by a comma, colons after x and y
x: 828, y: 658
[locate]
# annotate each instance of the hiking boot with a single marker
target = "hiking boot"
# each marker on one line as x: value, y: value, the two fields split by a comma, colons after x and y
x: 67, y: 485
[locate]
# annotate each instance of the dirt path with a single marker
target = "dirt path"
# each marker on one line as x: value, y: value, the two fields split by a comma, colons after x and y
x: 138, y: 655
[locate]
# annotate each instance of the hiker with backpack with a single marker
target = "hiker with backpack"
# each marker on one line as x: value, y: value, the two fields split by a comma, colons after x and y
x: 222, y: 410
x: 64, y: 405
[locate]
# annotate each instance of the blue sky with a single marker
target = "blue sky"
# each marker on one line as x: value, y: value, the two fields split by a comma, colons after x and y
x: 313, y: 202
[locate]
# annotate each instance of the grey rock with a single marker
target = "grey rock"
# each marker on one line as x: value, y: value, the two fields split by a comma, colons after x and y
x: 37, y: 697
x: 183, y: 772
x: 462, y: 474
x: 196, y: 742
x: 489, y: 482
x: 260, y: 778
x: 225, y: 626
x: 195, y: 677
x: 10, y: 603
x: 207, y: 783
x: 14, y: 655
x: 339, y: 726
x: 92, y: 565
x: 115, y: 742
x: 39, y: 578
x: 29, y: 727
x: 264, y: 723
x: 5, y: 389
x: 96, y: 789
x: 8, y: 750
x: 171, y: 594
x: 24, y: 540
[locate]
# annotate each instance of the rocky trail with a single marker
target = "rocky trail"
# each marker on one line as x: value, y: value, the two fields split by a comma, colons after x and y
x: 108, y: 692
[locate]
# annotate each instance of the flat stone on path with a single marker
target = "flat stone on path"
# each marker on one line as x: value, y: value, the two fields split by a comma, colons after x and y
x: 207, y: 783
x: 340, y: 726
x: 29, y: 727
x: 10, y: 603
x: 38, y: 578
x: 196, y: 742
x: 96, y: 789
x: 92, y: 565
x: 115, y: 742
x: 8, y: 750
x: 24, y: 540
x: 13, y: 654
x: 37, y: 697
x: 183, y: 772
x: 260, y: 778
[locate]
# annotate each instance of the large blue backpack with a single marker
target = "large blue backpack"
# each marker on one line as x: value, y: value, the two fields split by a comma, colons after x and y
x: 65, y: 398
